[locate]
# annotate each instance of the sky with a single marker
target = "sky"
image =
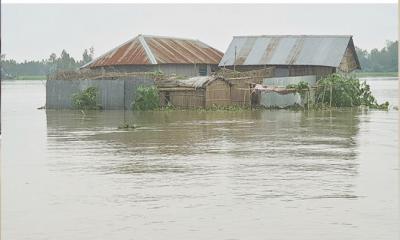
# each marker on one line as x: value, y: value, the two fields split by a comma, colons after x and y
x: 34, y: 31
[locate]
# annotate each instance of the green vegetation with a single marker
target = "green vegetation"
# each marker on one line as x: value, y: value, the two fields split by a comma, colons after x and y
x: 11, y: 69
x: 384, y: 60
x: 302, y: 88
x: 86, y: 100
x: 156, y: 74
x: 341, y: 91
x: 147, y: 98
x: 338, y: 91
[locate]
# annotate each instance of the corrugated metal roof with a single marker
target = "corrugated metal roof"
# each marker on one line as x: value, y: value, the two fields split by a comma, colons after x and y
x: 145, y: 49
x: 318, y: 50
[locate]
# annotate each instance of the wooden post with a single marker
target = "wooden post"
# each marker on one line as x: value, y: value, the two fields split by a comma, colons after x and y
x: 330, y: 100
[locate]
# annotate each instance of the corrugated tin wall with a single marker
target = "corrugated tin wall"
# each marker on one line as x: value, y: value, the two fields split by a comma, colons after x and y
x: 271, y: 99
x: 113, y: 94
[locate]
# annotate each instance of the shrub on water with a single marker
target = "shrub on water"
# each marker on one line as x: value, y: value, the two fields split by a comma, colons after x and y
x: 86, y: 100
x: 341, y: 91
x: 147, y: 98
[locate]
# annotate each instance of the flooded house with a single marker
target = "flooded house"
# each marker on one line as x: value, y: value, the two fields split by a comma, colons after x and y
x: 119, y: 72
x: 169, y: 55
x: 294, y: 58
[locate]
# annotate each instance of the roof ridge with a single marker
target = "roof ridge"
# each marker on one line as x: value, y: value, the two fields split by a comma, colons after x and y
x: 147, y: 49
x: 178, y: 38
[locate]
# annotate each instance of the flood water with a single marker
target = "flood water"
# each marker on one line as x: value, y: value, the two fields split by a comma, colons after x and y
x: 198, y: 175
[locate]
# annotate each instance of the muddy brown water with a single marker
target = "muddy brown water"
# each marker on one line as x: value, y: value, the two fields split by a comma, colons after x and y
x: 198, y: 175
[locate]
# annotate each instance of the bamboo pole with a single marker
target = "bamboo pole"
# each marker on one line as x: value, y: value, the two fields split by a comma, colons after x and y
x: 330, y: 100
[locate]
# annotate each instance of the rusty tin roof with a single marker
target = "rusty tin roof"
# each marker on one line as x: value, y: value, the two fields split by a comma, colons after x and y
x: 145, y: 49
x: 318, y: 50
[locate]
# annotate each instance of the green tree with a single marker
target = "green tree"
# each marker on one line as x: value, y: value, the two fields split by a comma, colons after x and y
x: 383, y: 60
x: 86, y: 57
x: 66, y: 62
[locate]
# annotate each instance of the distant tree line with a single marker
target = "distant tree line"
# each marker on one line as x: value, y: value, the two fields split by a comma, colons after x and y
x: 384, y: 60
x: 12, y: 69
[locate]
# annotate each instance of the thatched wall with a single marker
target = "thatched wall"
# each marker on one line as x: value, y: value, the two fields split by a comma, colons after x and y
x: 225, y: 88
x: 241, y: 83
x: 240, y: 92
x: 218, y: 93
x: 182, y: 97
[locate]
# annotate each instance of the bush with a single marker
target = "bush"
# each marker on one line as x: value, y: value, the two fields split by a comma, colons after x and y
x: 147, y: 98
x: 301, y: 88
x: 342, y: 91
x: 86, y: 100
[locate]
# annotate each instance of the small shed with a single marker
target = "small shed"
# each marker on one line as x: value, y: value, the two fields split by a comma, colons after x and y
x: 195, y: 92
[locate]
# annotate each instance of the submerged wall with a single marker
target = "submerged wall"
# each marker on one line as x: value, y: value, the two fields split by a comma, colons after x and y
x: 272, y: 99
x: 113, y: 93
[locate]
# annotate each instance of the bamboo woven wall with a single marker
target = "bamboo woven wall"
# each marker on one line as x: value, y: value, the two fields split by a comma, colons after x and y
x: 185, y: 98
x: 218, y: 93
x: 240, y: 92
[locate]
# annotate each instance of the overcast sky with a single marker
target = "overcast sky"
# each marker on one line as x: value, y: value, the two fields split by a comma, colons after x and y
x: 33, y: 32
